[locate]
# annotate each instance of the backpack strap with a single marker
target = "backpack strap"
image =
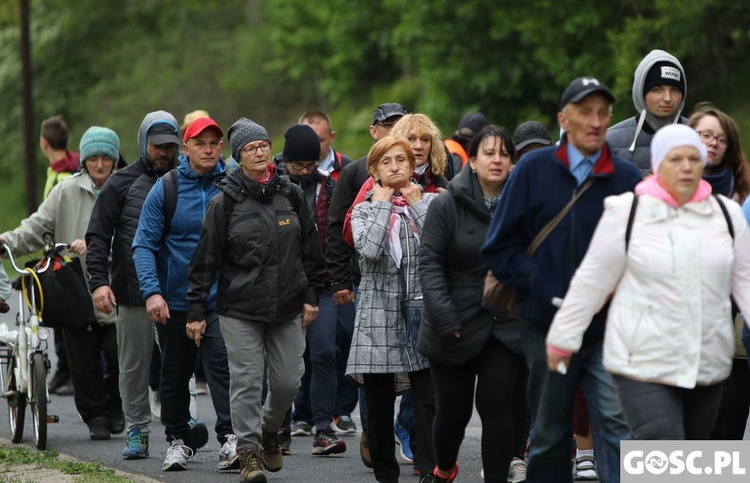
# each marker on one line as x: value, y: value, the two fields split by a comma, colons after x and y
x: 723, y: 207
x: 229, y: 204
x: 631, y: 217
x: 169, y: 183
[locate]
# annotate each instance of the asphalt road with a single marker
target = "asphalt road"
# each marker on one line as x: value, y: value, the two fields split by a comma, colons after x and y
x: 70, y: 436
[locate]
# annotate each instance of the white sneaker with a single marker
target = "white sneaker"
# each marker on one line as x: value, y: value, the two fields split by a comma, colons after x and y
x: 228, y: 458
x: 517, y: 471
x: 155, y: 401
x: 177, y: 456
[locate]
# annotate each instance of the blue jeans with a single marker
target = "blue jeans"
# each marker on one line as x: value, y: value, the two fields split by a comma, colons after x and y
x: 178, y: 354
x: 551, y: 399
x: 346, y: 390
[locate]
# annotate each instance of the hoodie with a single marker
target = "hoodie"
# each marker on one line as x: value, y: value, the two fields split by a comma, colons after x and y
x: 631, y: 138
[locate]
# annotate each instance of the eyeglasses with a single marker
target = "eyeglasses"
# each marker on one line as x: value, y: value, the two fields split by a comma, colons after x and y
x: 255, y: 150
x: 302, y: 166
x: 708, y: 137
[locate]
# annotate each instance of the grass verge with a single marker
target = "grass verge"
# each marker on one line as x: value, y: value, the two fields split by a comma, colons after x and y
x: 13, y: 458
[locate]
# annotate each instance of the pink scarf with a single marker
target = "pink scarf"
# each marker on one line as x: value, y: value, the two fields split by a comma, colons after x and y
x: 400, y: 207
x: 266, y: 177
x: 650, y: 186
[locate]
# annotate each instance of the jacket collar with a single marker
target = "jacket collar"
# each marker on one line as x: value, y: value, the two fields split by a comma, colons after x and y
x: 603, y: 167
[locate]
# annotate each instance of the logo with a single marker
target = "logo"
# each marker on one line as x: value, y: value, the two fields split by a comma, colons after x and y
x: 589, y: 80
x: 285, y: 222
x: 672, y: 73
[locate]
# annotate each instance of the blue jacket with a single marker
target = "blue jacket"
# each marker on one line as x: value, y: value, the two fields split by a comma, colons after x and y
x: 162, y: 262
x: 540, y: 186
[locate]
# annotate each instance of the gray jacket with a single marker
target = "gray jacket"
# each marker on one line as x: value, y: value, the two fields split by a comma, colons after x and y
x: 631, y: 138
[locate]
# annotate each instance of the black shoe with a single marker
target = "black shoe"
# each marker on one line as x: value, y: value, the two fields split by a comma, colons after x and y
x: 117, y: 424
x: 58, y: 380
x: 198, y: 436
x: 66, y: 389
x: 99, y: 428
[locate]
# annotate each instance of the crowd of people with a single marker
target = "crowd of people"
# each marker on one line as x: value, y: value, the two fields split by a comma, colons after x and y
x: 305, y: 284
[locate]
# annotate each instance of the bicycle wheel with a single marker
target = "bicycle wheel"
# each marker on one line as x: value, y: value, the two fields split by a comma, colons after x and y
x: 39, y: 401
x: 16, y: 403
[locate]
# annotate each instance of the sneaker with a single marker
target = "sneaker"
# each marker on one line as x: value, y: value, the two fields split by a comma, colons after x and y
x: 326, y: 442
x: 517, y: 471
x: 271, y: 454
x: 58, y: 380
x: 364, y: 450
x: 137, y: 445
x: 585, y: 469
x: 344, y: 425
x: 66, y: 389
x: 301, y: 428
x: 155, y: 402
x: 99, y: 428
x: 403, y: 441
x: 251, y: 467
x: 198, y: 436
x: 201, y: 387
x: 117, y: 424
x: 428, y: 478
x: 285, y: 442
x: 177, y: 456
x: 228, y: 459
x: 450, y: 479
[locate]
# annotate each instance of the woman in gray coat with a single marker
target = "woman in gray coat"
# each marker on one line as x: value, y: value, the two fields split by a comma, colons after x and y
x: 383, y: 358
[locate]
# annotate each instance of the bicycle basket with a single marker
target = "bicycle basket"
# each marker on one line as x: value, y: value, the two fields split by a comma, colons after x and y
x: 67, y: 301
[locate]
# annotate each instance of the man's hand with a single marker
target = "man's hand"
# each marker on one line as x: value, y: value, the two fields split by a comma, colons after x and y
x: 343, y: 297
x: 411, y: 193
x: 554, y: 361
x: 309, y: 313
x: 382, y: 193
x: 78, y: 247
x: 195, y: 330
x: 157, y: 309
x: 104, y: 299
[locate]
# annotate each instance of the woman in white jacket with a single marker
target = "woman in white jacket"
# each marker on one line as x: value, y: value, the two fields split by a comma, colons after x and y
x: 669, y: 337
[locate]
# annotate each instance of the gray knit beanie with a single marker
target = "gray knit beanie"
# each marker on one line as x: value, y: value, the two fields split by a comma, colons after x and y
x: 245, y: 131
x: 99, y: 141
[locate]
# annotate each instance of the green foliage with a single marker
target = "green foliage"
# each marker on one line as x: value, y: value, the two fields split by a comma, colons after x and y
x: 13, y: 457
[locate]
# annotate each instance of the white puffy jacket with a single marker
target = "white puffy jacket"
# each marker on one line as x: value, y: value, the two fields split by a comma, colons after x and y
x: 670, y: 320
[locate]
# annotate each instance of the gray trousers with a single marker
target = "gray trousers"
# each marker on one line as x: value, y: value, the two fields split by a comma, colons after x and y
x: 251, y: 346
x: 135, y: 345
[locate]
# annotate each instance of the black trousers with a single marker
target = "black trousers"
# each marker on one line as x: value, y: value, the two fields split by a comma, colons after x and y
x: 380, y: 396
x: 501, y: 376
x: 735, y: 403
x: 96, y: 384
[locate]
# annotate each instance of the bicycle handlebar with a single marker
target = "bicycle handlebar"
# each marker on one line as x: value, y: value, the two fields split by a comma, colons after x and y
x: 48, y: 255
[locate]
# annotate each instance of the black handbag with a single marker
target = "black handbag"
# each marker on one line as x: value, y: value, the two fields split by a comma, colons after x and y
x: 66, y: 297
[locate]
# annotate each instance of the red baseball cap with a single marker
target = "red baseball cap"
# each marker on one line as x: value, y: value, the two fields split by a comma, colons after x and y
x: 198, y: 126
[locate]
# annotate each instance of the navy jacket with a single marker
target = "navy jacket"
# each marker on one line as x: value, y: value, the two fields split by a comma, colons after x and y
x: 538, y: 189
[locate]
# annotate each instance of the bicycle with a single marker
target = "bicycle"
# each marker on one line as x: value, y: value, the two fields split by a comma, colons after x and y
x: 24, y: 363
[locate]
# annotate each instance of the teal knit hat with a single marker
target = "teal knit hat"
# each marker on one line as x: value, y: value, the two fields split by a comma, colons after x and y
x: 99, y: 141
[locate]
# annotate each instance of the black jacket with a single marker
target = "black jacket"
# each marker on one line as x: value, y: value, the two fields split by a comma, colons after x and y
x: 266, y: 252
x: 452, y: 276
x: 343, y: 271
x: 112, y: 226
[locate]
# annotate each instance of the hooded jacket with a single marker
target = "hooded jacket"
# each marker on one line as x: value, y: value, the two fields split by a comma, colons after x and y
x: 540, y: 186
x: 115, y: 219
x: 266, y: 252
x: 162, y: 259
x: 631, y: 139
x: 452, y: 275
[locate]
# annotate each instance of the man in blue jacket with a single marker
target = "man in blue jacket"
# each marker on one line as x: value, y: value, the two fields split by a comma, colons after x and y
x: 163, y: 246
x: 541, y: 185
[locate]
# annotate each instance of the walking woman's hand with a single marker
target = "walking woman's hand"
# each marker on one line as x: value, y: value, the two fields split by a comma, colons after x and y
x: 309, y: 313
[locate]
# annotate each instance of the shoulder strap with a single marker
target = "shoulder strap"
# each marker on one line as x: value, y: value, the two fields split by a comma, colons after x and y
x: 723, y: 207
x: 169, y: 183
x: 631, y: 218
x: 547, y: 229
x: 229, y: 204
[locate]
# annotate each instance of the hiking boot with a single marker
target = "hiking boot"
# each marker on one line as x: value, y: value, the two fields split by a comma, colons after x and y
x: 198, y: 436
x: 364, y: 450
x: 344, y: 425
x: 326, y: 442
x: 251, y: 467
x: 271, y: 454
x: 228, y: 459
x: 285, y: 442
x: 137, y: 445
x: 177, y: 456
x: 403, y: 440
x: 301, y: 428
x: 517, y: 471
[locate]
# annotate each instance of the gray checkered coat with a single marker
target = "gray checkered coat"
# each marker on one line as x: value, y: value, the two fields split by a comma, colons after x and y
x: 379, y: 344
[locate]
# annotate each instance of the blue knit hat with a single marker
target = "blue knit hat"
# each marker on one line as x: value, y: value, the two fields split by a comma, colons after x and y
x: 99, y: 141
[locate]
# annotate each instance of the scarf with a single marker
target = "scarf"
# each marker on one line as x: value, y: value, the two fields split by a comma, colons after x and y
x: 722, y: 181
x: 266, y: 177
x: 400, y: 208
x: 650, y: 186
